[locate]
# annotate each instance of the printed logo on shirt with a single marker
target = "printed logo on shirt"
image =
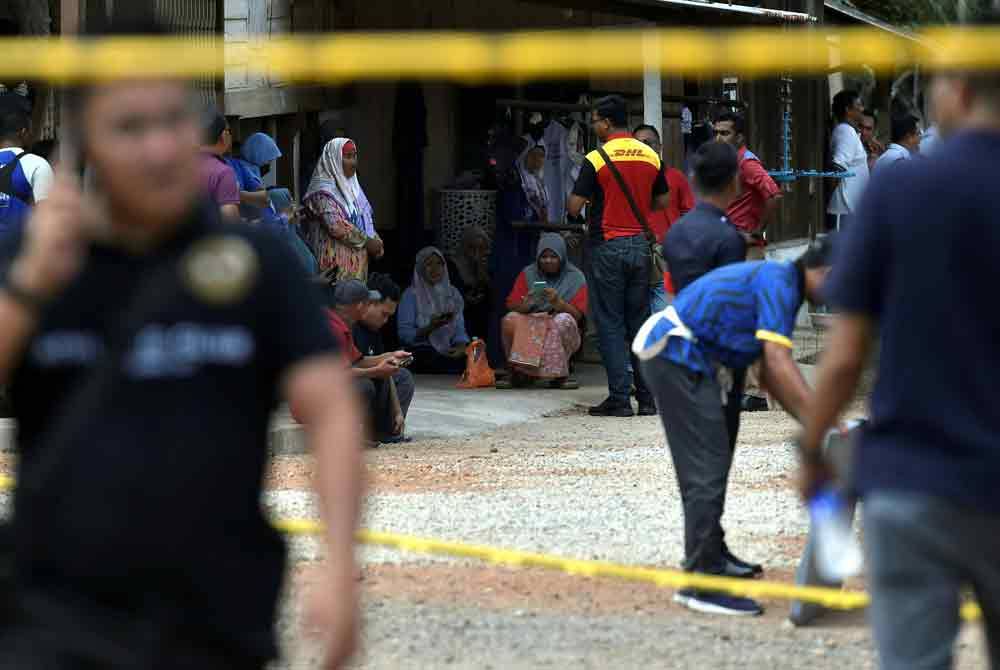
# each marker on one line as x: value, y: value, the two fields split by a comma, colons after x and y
x: 66, y: 348
x: 182, y: 349
x: 220, y: 270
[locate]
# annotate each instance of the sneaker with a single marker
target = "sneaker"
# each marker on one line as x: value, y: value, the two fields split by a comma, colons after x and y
x: 611, y: 408
x: 737, y: 567
x: 752, y: 403
x: 717, y: 603
x: 647, y: 409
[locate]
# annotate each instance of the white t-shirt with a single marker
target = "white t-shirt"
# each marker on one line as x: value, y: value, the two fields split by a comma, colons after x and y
x: 37, y: 171
x: 847, y: 151
x: 687, y: 121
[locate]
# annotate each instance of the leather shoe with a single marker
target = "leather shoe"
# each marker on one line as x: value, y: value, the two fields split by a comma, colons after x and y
x: 612, y: 408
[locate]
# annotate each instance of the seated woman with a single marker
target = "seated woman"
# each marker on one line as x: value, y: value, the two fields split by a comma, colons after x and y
x: 542, y: 331
x: 430, y: 317
x: 467, y: 270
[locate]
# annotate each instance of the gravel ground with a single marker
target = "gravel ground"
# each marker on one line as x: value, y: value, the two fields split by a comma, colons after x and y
x: 580, y: 487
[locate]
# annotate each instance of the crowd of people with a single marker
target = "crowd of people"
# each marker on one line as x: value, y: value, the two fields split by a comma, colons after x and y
x: 136, y: 363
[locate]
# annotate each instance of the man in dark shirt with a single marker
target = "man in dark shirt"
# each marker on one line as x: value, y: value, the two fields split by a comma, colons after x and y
x: 146, y: 351
x: 368, y: 338
x: 704, y: 239
x: 920, y: 272
x: 619, y: 250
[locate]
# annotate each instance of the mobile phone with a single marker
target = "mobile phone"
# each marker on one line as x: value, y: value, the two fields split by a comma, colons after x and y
x: 404, y: 362
x: 539, y: 286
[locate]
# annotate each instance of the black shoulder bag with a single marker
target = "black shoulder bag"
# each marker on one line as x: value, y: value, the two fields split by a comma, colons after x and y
x: 657, y: 262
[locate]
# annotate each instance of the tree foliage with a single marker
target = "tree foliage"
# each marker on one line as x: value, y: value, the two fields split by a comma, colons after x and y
x: 925, y: 12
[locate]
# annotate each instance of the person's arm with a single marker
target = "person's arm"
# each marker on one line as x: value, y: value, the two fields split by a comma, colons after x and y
x: 49, y: 257
x: 321, y: 391
x: 406, y: 319
x: 661, y: 191
x: 230, y: 213
x: 374, y: 367
x: 42, y: 177
x: 840, y: 146
x: 255, y: 198
x: 518, y: 300
x: 583, y: 189
x: 781, y: 376
x: 732, y: 248
x: 227, y: 194
x: 755, y: 177
x: 562, y: 307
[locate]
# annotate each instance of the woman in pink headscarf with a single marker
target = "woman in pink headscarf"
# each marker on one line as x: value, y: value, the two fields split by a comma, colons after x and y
x: 339, y: 221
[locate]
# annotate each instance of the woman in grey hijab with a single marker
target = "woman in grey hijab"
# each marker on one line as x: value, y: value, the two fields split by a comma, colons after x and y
x: 548, y: 304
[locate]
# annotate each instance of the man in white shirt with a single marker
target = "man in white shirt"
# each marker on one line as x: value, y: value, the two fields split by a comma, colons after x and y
x: 15, y: 133
x: 905, y: 143
x: 847, y: 153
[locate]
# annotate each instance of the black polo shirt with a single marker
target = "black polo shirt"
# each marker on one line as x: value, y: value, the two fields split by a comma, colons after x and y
x: 150, y: 510
x: 702, y: 240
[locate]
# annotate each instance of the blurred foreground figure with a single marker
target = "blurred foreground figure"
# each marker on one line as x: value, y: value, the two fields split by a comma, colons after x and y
x: 919, y: 268
x: 146, y: 344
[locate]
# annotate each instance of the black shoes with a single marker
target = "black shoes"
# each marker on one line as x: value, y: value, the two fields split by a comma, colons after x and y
x: 612, y: 408
x: 647, y: 409
x: 737, y: 567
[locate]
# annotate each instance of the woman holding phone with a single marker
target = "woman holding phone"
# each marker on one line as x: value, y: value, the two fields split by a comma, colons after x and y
x: 430, y: 317
x: 548, y: 304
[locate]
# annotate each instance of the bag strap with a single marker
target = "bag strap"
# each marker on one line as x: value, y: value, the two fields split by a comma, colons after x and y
x: 7, y: 174
x: 627, y: 192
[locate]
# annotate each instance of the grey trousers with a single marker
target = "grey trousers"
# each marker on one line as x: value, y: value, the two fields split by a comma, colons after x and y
x: 922, y: 552
x: 375, y: 396
x: 701, y: 446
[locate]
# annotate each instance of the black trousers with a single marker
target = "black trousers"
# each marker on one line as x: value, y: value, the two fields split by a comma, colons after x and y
x: 701, y: 434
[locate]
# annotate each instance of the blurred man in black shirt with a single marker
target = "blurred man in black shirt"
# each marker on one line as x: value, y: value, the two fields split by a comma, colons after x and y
x: 146, y: 344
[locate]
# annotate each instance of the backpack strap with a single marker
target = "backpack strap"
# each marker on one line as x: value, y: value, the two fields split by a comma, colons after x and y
x: 7, y: 175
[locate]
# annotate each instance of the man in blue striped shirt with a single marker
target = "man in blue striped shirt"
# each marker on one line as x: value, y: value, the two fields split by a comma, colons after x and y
x: 691, y: 353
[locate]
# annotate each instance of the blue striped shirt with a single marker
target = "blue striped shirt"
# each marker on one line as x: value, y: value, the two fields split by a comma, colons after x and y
x: 732, y: 311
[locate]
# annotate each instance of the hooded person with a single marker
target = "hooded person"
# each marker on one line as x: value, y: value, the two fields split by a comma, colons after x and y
x: 254, y: 161
x: 548, y: 303
x: 468, y: 270
x: 431, y: 317
x: 340, y: 222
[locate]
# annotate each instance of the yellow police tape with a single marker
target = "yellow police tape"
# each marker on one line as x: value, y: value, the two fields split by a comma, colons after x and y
x: 465, y: 56
x: 829, y: 598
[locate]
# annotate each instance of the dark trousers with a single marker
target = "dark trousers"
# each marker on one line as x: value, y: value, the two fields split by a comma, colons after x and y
x: 701, y: 434
x: 427, y: 361
x: 376, y: 399
x: 49, y: 635
x: 922, y: 553
x: 618, y: 288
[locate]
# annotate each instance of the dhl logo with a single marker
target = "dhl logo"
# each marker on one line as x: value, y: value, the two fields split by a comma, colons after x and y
x: 626, y: 153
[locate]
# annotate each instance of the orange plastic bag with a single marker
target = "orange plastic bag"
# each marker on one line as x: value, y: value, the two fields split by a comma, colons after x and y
x: 478, y: 373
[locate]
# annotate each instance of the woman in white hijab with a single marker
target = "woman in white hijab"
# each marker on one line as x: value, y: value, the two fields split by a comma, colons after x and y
x: 339, y: 221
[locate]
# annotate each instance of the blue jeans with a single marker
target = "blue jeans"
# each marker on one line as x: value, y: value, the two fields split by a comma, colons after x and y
x: 619, y: 302
x: 657, y: 298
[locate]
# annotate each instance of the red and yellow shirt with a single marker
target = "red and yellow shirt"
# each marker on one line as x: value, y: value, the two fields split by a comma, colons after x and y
x: 610, y: 215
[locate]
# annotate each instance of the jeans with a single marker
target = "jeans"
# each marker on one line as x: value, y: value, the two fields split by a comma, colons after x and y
x: 922, y: 551
x: 405, y: 388
x: 701, y: 438
x: 619, y: 302
x: 658, y: 300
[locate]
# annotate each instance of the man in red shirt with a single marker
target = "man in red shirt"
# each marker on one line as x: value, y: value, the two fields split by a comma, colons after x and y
x: 618, y: 248
x: 750, y: 212
x: 681, y: 202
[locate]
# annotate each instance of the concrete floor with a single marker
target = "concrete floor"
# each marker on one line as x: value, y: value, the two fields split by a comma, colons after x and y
x: 440, y: 410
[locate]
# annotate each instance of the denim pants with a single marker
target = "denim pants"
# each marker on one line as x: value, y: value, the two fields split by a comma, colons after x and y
x: 922, y: 552
x: 619, y: 303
